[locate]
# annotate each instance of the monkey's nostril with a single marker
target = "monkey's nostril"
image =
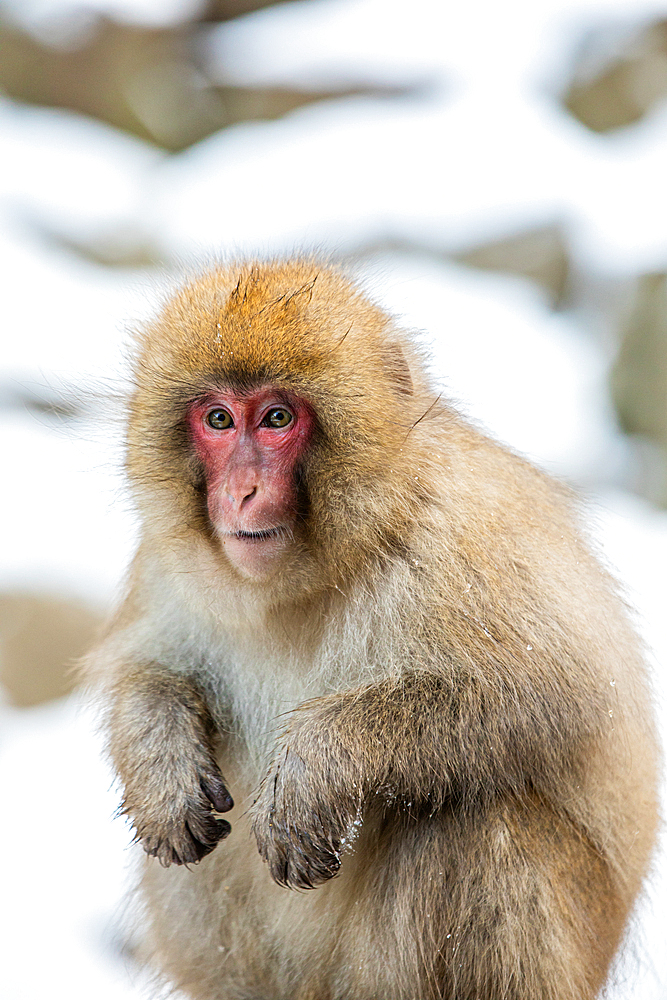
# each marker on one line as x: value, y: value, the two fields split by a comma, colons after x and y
x: 241, y: 495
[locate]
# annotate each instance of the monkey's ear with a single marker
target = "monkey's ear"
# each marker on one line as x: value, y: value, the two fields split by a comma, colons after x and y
x: 394, y: 363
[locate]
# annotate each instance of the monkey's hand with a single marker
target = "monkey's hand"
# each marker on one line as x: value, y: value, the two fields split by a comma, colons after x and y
x: 176, y: 822
x: 161, y: 738
x: 308, y: 806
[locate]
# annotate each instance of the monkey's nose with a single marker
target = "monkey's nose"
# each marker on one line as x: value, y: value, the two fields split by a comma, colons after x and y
x: 242, y: 495
x: 249, y: 494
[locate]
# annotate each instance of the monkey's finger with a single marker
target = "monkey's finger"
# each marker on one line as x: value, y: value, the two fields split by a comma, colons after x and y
x: 295, y: 871
x: 194, y: 846
x: 208, y: 829
x: 217, y: 793
x: 184, y: 851
x: 224, y: 828
x: 307, y: 872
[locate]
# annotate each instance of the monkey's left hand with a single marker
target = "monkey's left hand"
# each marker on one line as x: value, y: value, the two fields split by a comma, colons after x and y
x: 307, y: 805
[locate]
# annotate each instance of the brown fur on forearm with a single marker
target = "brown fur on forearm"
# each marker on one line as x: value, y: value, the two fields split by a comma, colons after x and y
x: 162, y: 741
x: 427, y: 739
x: 419, y: 740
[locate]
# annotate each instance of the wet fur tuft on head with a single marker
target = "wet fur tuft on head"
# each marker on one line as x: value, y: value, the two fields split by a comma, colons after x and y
x: 303, y: 328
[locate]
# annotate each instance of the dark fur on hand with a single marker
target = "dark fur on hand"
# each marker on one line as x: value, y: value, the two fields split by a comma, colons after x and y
x: 172, y: 782
x: 307, y: 805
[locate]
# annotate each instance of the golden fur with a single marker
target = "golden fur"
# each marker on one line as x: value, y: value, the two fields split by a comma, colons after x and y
x: 438, y: 692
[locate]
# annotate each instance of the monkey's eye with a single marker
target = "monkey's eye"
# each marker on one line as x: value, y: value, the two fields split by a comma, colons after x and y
x: 278, y: 417
x: 220, y: 420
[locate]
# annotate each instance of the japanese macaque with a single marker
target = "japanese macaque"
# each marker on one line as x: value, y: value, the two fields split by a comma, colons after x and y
x: 377, y: 642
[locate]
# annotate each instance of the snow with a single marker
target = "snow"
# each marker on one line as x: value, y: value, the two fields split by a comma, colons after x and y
x: 65, y: 862
x: 478, y: 148
x: 42, y: 16
x: 70, y: 507
x: 493, y: 339
x: 71, y: 174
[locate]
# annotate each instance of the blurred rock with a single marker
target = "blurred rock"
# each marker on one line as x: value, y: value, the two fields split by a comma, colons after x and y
x: 225, y: 10
x: 147, y: 81
x: 624, y: 89
x: 540, y: 254
x: 41, y: 638
x: 639, y: 383
x: 120, y: 247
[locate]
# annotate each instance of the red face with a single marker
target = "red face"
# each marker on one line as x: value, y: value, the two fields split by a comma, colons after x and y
x: 250, y: 445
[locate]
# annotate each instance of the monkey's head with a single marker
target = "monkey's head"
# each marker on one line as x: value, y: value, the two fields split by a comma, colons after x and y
x: 272, y: 406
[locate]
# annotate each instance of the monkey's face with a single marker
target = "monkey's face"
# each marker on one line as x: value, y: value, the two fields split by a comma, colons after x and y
x: 250, y: 445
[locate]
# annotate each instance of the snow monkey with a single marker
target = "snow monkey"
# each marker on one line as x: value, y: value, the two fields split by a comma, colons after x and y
x: 384, y: 635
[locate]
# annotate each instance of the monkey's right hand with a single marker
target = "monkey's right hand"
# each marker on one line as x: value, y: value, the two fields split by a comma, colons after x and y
x: 174, y: 817
x: 162, y: 740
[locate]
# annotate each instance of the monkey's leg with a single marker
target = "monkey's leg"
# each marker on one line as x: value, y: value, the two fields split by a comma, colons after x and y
x: 513, y: 903
x: 162, y: 740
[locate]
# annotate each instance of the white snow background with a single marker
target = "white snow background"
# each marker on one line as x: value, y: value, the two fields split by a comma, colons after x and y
x: 479, y: 149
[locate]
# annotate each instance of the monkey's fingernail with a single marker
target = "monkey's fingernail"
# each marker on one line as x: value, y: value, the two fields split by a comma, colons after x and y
x: 218, y: 795
x: 224, y: 828
x: 223, y: 803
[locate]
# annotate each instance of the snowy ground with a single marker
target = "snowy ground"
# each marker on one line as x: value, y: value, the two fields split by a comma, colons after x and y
x: 482, y: 150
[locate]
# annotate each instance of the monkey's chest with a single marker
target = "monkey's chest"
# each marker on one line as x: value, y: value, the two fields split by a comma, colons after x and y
x: 256, y: 691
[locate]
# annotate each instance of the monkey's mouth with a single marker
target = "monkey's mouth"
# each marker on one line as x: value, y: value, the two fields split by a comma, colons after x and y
x: 256, y: 553
x: 258, y: 536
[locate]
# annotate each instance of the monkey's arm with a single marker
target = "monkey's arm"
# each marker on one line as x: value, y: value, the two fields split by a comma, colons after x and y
x: 419, y: 739
x: 162, y: 740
